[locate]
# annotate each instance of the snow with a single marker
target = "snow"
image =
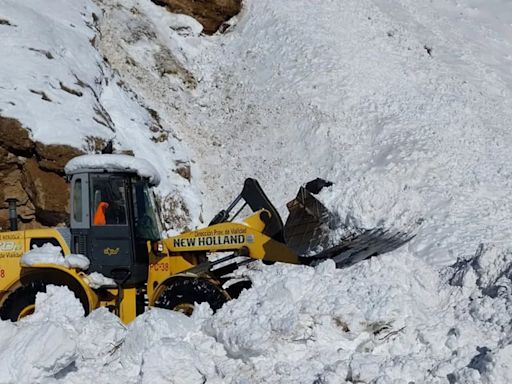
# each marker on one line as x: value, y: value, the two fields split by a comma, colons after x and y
x: 114, y: 162
x: 75, y: 260
x: 97, y: 280
x: 47, y: 49
x: 51, y: 254
x: 347, y: 92
x: 43, y: 344
x: 404, y: 105
x: 377, y: 321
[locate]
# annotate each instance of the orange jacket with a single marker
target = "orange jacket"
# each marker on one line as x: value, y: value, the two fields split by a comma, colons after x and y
x: 99, y: 215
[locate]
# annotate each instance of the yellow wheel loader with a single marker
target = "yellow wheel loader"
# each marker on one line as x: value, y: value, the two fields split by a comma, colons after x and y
x: 114, y: 222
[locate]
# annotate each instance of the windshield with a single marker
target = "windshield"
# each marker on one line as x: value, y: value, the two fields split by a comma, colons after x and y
x: 147, y: 221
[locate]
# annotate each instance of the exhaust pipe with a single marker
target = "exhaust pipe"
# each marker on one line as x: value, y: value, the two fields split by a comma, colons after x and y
x: 13, y: 214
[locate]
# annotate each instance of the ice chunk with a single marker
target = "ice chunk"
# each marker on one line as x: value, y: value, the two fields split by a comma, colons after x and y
x: 97, y: 280
x: 77, y: 261
x: 57, y: 304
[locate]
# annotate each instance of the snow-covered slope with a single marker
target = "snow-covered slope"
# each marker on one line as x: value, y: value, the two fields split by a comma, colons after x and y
x: 405, y: 105
x: 347, y: 91
x: 57, y: 84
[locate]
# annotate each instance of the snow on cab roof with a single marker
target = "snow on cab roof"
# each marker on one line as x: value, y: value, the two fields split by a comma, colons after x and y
x: 113, y: 163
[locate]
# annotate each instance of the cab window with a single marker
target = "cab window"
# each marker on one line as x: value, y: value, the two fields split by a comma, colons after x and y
x: 77, y: 201
x: 108, y: 200
x: 147, y: 223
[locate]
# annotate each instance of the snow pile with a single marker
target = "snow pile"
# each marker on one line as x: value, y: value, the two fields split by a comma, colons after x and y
x: 51, y: 254
x: 120, y: 163
x: 43, y: 344
x: 378, y: 321
x: 57, y: 344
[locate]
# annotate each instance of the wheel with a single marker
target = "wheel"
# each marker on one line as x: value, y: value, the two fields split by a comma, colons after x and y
x: 180, y: 294
x: 21, y: 302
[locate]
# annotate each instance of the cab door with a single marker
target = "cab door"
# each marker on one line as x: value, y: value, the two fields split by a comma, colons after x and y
x: 110, y: 237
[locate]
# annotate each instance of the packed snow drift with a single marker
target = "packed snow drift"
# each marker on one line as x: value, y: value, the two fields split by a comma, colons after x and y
x: 405, y: 106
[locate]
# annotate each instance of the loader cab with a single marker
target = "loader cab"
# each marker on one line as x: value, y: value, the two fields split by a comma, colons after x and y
x: 113, y: 216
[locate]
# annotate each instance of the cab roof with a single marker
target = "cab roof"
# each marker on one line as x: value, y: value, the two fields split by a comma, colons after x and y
x: 113, y: 163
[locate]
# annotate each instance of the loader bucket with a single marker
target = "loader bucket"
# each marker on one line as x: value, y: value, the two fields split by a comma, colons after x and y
x: 309, y: 224
x: 315, y: 234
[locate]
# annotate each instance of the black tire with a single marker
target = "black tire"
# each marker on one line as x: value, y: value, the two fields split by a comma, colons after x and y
x: 236, y: 289
x: 21, y: 299
x: 181, y: 294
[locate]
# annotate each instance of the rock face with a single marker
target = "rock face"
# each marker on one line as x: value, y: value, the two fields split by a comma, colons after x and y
x: 210, y: 13
x: 32, y: 172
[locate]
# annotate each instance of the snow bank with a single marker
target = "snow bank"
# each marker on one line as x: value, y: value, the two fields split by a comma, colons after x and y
x: 375, y: 322
x: 120, y: 163
x: 51, y: 254
x: 378, y: 321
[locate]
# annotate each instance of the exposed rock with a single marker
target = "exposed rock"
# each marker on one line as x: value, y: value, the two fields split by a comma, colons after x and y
x: 7, y: 159
x: 54, y: 157
x: 6, y: 22
x: 48, y: 192
x: 166, y: 64
x: 14, y: 137
x: 32, y: 173
x: 94, y: 144
x: 12, y: 187
x: 174, y: 210
x: 183, y: 169
x: 210, y: 13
